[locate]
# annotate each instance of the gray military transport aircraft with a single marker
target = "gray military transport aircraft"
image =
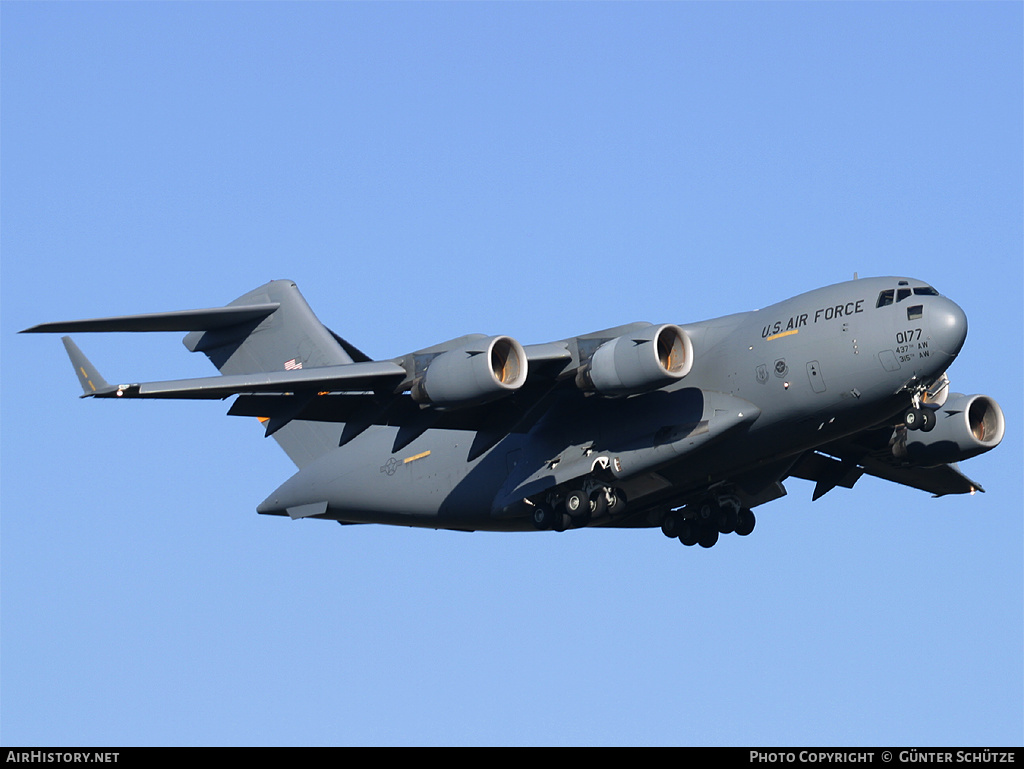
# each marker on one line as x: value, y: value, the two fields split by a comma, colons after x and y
x: 686, y: 427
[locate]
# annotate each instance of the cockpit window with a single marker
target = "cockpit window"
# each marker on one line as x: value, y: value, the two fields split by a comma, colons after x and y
x: 890, y: 295
x: 915, y: 311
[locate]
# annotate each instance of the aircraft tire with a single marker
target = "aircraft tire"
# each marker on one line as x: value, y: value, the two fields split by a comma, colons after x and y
x: 576, y: 502
x: 561, y: 522
x: 672, y: 525
x: 745, y: 522
x: 579, y: 507
x: 727, y: 520
x: 542, y: 518
x: 617, y: 504
x: 689, y: 533
x: 598, y: 503
x: 705, y: 511
x: 928, y: 420
x: 580, y: 520
x: 708, y: 536
x: 912, y: 418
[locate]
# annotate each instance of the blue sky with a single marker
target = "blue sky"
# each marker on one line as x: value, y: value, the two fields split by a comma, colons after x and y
x: 539, y: 170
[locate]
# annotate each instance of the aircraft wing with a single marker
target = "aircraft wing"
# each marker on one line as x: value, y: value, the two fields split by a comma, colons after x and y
x: 939, y: 480
x: 359, y: 394
x: 490, y: 421
x: 351, y: 377
x: 360, y: 377
x: 843, y: 462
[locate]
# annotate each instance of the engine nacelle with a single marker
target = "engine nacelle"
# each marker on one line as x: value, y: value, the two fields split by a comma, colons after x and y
x: 645, y: 360
x: 476, y: 372
x: 966, y: 425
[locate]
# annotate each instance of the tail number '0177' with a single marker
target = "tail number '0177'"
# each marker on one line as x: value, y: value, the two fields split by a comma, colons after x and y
x: 910, y: 335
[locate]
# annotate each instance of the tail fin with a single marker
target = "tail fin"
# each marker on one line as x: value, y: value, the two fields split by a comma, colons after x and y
x: 289, y: 338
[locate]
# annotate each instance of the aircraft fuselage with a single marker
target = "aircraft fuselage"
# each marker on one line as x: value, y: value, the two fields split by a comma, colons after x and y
x: 765, y: 386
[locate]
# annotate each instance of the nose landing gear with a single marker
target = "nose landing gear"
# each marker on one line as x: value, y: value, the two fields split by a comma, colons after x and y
x: 919, y: 418
x: 924, y: 401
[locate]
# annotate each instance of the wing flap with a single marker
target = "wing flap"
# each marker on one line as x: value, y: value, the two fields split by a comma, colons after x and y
x: 351, y: 377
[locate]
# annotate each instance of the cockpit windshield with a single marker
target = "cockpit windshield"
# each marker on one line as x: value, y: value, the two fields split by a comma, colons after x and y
x: 892, y: 295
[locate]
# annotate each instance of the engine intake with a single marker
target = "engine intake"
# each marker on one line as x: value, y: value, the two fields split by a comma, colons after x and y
x: 646, y: 360
x: 476, y: 372
x: 966, y: 425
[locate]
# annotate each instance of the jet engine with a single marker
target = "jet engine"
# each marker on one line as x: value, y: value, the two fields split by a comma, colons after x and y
x: 478, y: 371
x: 644, y: 360
x: 966, y: 425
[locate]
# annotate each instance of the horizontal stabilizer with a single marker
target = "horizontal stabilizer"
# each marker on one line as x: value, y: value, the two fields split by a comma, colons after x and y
x: 182, y: 320
x: 91, y: 380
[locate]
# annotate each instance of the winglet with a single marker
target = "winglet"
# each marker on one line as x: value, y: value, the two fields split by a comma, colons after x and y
x: 91, y: 380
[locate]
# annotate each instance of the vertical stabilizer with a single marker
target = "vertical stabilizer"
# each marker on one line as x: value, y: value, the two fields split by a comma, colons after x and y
x: 289, y: 338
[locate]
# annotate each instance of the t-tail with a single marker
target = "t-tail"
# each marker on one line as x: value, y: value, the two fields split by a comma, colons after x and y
x: 290, y: 338
x: 265, y: 341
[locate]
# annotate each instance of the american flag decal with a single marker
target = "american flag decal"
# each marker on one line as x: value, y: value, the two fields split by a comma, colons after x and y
x: 292, y: 365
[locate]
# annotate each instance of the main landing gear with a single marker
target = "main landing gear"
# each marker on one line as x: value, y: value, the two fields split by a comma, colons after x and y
x: 578, y: 508
x: 701, y: 524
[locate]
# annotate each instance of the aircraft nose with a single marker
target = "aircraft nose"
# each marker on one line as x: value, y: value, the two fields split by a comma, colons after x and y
x: 949, y: 326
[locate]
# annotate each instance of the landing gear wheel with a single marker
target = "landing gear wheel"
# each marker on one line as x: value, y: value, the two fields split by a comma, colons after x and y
x: 578, y: 506
x: 708, y: 536
x: 617, y: 502
x: 576, y: 502
x: 542, y: 518
x: 598, y: 503
x: 927, y: 420
x: 672, y: 525
x: 745, y: 522
x: 689, y: 533
x: 727, y: 520
x: 914, y: 419
x: 705, y: 511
